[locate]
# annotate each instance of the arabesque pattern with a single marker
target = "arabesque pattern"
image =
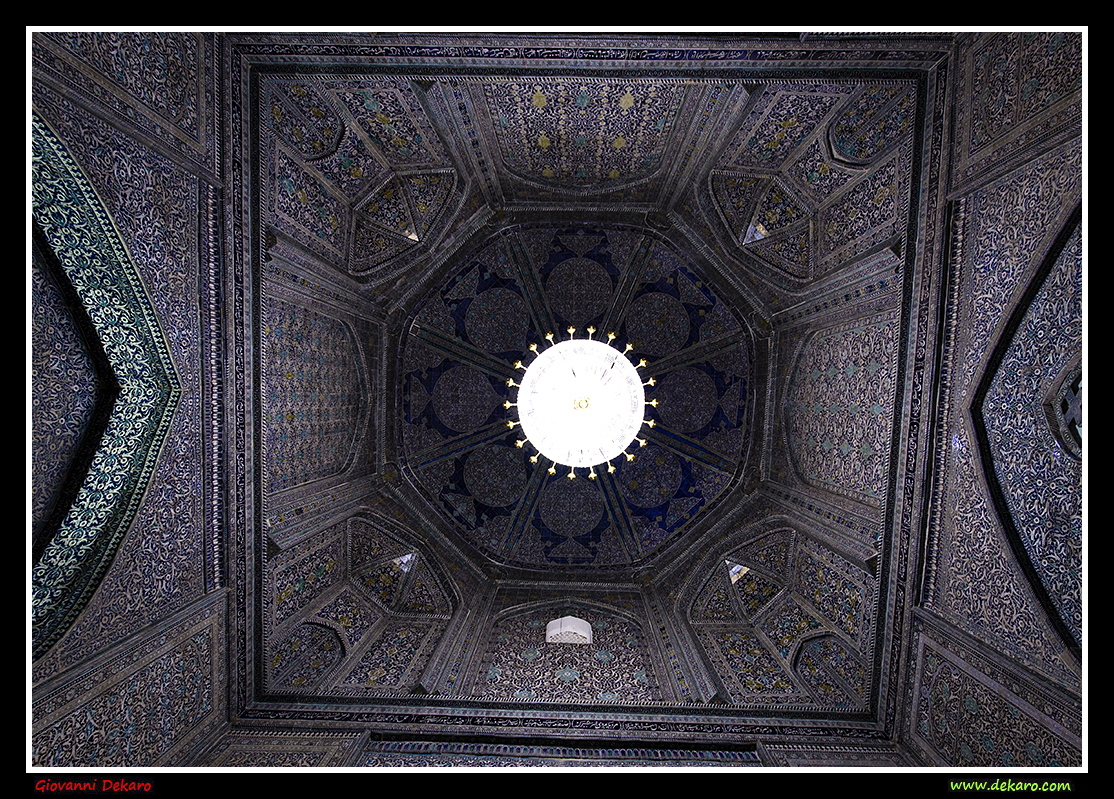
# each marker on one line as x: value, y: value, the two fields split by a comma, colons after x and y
x: 519, y: 664
x: 79, y: 231
x: 835, y: 254
x: 840, y: 407
x: 467, y: 335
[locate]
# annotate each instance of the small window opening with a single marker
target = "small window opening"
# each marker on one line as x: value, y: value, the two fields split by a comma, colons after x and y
x: 736, y: 571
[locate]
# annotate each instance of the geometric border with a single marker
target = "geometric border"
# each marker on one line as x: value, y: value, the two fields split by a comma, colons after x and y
x: 424, y: 753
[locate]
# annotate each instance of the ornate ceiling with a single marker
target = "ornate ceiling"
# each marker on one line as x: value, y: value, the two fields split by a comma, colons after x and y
x: 464, y: 341
x: 851, y: 265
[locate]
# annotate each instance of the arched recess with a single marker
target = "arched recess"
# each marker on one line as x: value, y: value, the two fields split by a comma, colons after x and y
x: 305, y: 657
x: 1024, y: 462
x: 387, y: 598
x: 739, y: 662
x: 832, y: 671
x: 396, y: 572
x: 766, y: 547
x: 839, y: 406
x: 80, y: 233
x: 873, y: 122
x: 517, y: 664
x: 302, y: 118
x: 316, y: 389
x: 414, y: 610
x: 756, y: 605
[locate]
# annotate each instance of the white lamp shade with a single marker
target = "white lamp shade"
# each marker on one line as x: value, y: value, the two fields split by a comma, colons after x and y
x: 568, y: 630
x: 581, y: 402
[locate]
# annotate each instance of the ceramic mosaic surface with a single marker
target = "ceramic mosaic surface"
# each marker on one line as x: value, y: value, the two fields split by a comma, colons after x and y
x: 468, y: 334
x: 314, y: 395
x: 851, y: 263
x: 840, y: 408
x: 519, y: 663
x: 83, y: 237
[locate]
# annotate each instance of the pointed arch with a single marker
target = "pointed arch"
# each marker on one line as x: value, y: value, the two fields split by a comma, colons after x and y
x: 81, y: 234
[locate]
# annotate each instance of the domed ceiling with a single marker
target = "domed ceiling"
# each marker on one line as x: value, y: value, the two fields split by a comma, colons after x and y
x: 430, y: 233
x: 458, y: 372
x: 485, y: 212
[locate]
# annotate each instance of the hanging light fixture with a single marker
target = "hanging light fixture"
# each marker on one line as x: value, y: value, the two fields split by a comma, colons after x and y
x: 581, y: 403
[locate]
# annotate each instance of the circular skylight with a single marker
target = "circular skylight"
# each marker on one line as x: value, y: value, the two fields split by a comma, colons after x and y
x: 581, y: 402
